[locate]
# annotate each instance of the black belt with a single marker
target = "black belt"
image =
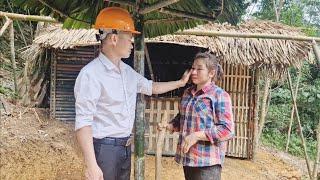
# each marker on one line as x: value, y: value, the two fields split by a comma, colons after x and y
x: 126, y: 141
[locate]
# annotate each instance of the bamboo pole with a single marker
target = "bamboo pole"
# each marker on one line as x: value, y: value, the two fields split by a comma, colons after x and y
x: 263, y: 108
x: 315, y: 167
x: 28, y: 17
x: 292, y: 111
x: 256, y: 111
x: 178, y: 13
x: 167, y: 20
x: 157, y: 5
x: 5, y: 26
x: 299, y: 123
x: 13, y: 61
x: 247, y: 35
x: 149, y: 62
x: 160, y: 140
x: 316, y: 52
x: 139, y: 164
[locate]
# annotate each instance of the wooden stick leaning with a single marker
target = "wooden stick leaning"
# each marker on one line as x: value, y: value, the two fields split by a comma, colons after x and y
x: 160, y: 140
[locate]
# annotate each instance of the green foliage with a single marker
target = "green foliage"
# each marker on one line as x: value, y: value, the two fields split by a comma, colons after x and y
x: 305, y: 15
x: 82, y: 13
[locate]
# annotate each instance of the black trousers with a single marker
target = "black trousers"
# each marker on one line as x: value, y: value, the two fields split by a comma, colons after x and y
x: 114, y: 160
x: 202, y: 173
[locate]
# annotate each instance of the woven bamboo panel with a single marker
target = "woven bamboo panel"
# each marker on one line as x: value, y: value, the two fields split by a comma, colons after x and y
x: 237, y: 82
x: 154, y: 111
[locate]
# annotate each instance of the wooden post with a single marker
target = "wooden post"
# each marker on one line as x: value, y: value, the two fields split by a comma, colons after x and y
x: 316, y: 162
x: 292, y: 111
x: 256, y: 111
x: 149, y: 62
x: 13, y: 61
x: 316, y: 52
x: 263, y: 108
x: 139, y: 121
x: 160, y: 140
x: 299, y: 123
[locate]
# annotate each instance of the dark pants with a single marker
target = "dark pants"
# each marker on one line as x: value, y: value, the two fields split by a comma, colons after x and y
x: 202, y: 173
x: 113, y: 159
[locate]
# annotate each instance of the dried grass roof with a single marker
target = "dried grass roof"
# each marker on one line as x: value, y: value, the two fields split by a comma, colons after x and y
x: 271, y: 53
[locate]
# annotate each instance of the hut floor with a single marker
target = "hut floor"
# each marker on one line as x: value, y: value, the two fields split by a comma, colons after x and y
x: 31, y: 149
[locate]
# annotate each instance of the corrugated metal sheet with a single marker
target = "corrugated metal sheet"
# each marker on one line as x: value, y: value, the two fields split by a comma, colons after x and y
x: 65, y: 67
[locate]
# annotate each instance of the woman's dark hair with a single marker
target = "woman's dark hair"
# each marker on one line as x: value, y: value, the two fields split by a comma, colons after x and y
x: 212, y: 63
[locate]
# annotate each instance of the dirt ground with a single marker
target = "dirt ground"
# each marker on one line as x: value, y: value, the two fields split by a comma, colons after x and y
x: 42, y: 149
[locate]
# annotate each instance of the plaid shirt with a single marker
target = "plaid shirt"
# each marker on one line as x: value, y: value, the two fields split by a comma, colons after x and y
x: 208, y: 110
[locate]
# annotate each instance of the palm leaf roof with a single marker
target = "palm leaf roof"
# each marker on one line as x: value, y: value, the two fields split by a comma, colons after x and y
x: 82, y: 13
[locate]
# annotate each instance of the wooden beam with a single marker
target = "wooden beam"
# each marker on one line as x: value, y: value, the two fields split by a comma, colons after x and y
x: 256, y: 112
x: 178, y: 13
x: 5, y: 26
x: 157, y: 5
x: 166, y: 20
x: 28, y: 17
x: 247, y: 35
x: 123, y: 2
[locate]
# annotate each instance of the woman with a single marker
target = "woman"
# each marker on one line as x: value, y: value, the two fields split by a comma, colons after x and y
x: 205, y: 121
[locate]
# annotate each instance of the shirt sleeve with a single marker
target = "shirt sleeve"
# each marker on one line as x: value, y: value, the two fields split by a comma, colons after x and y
x: 144, y: 85
x: 87, y: 92
x: 224, y: 128
x: 176, y: 121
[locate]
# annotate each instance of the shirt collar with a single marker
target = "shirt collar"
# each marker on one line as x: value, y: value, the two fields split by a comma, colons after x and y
x: 108, y: 64
x: 205, y: 89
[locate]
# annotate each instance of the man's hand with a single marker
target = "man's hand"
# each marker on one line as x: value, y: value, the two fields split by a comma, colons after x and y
x: 94, y: 173
x: 185, y: 78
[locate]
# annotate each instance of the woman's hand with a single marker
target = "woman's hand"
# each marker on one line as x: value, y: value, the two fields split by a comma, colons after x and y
x: 189, y: 141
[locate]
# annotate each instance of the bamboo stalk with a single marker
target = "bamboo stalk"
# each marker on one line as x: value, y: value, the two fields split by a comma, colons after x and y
x: 178, y: 13
x: 315, y: 167
x: 263, y: 108
x: 28, y: 17
x: 300, y: 127
x: 160, y: 140
x: 13, y: 57
x: 247, y: 35
x: 5, y: 26
x: 292, y: 112
x: 256, y: 111
x: 157, y: 5
x: 167, y: 20
x: 316, y: 52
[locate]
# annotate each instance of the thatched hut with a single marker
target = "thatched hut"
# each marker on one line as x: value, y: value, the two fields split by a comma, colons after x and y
x: 57, y: 55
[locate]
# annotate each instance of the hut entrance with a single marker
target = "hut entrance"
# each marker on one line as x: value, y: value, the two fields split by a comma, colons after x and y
x: 169, y: 61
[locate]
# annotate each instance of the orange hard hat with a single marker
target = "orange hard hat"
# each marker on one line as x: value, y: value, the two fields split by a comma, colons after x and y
x: 115, y: 18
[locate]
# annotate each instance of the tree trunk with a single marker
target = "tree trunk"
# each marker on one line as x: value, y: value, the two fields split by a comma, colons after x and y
x: 139, y: 164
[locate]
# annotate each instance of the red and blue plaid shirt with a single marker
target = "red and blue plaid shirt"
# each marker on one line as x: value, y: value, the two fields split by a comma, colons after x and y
x: 208, y: 110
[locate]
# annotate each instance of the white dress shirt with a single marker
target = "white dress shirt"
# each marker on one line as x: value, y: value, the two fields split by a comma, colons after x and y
x: 106, y: 97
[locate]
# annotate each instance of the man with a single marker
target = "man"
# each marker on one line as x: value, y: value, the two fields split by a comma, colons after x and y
x: 105, y: 92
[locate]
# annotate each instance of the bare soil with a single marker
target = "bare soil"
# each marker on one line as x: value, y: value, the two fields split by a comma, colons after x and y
x: 43, y: 149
